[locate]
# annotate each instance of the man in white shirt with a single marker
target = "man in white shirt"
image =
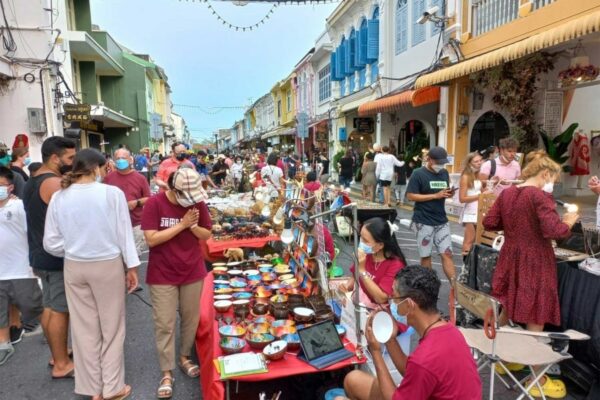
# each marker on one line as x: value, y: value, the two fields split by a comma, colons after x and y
x: 385, y: 172
x: 18, y: 285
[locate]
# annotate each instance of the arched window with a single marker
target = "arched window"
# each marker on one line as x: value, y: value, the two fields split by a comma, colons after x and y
x: 401, y: 26
x: 488, y: 130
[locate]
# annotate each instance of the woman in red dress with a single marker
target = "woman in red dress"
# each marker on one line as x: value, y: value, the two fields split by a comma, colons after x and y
x: 525, y: 279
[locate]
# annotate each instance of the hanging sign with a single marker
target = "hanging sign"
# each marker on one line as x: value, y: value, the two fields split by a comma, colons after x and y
x: 76, y: 112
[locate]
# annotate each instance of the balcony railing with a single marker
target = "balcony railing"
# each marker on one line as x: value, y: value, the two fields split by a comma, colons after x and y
x: 487, y: 15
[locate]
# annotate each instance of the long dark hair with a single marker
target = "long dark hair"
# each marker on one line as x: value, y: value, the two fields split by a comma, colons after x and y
x: 85, y: 162
x: 381, y: 231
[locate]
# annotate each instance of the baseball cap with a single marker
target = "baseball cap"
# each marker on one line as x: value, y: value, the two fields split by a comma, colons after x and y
x: 188, y: 182
x: 439, y: 155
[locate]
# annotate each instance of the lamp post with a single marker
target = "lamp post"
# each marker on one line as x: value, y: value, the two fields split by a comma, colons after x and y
x: 217, y: 143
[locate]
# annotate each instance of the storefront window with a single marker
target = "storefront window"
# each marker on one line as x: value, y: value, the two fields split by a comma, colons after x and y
x: 488, y: 130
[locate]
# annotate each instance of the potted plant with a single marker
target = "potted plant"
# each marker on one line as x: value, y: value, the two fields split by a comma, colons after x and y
x: 557, y: 149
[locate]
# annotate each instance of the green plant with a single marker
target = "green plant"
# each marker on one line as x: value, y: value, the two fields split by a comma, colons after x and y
x: 336, y: 159
x: 557, y: 147
x: 415, y: 148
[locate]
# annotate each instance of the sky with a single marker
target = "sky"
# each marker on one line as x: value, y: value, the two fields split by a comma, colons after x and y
x: 208, y: 64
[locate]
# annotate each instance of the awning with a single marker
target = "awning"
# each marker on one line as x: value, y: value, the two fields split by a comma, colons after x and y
x: 279, y: 132
x: 111, y: 118
x: 568, y: 31
x: 408, y: 98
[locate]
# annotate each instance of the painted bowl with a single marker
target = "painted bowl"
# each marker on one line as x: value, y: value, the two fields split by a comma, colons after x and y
x: 262, y: 292
x: 257, y: 327
x: 268, y: 276
x: 254, y: 279
x: 275, y: 350
x: 282, y: 322
x: 276, y: 286
x: 238, y: 283
x: 260, y: 309
x: 242, y: 295
x: 222, y: 306
x: 259, y: 341
x: 219, y: 265
x: 223, y: 290
x: 223, y: 297
x: 265, y: 265
x: 293, y: 341
x: 234, y: 264
x: 232, y: 331
x: 241, y: 303
x: 280, y: 331
x: 221, y: 282
x: 235, y: 272
x: 232, y: 345
x: 265, y: 269
x: 249, y: 272
x: 279, y: 298
x: 303, y: 314
x: 261, y: 319
x: 286, y: 277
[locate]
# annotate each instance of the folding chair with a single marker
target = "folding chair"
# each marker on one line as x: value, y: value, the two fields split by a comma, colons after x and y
x: 500, y: 345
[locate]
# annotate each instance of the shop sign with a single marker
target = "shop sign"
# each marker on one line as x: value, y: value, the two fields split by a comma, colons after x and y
x: 553, y: 113
x: 322, y: 136
x: 77, y: 112
x: 364, y: 125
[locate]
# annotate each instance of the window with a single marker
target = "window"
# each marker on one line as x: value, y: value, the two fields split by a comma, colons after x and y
x: 289, y: 100
x: 435, y: 29
x: 373, y: 38
x: 401, y: 26
x: 418, y: 34
x: 325, y: 83
x: 279, y: 109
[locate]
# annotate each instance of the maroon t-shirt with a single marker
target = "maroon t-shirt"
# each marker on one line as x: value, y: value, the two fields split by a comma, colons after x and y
x: 383, y: 275
x: 441, y: 368
x: 177, y: 261
x: 135, y: 186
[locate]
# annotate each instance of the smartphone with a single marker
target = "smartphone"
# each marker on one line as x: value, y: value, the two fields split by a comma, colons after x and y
x: 453, y: 189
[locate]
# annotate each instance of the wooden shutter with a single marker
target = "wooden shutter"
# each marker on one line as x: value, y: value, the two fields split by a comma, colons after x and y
x: 373, y: 40
x: 362, y: 48
x: 352, y: 51
x: 418, y: 29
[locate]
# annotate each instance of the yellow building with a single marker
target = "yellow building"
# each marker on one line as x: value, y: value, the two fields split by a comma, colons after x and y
x: 491, y: 33
x: 284, y: 101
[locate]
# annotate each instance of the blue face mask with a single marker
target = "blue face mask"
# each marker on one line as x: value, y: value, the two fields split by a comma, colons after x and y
x: 27, y: 161
x: 365, y: 247
x: 4, y: 161
x: 122, y: 164
x: 396, y: 315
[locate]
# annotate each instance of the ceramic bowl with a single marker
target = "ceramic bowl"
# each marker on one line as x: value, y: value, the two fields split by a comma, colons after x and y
x: 249, y: 272
x: 257, y: 327
x: 222, y: 306
x: 238, y: 283
x: 268, y: 277
x: 234, y: 264
x: 261, y: 319
x: 223, y: 290
x: 232, y: 345
x: 232, y: 331
x: 235, y: 272
x: 223, y: 297
x: 242, y: 295
x: 265, y: 269
x: 293, y: 341
x: 241, y: 303
x: 259, y: 341
x: 275, y: 350
x: 303, y: 314
x: 286, y: 277
x: 219, y: 265
x: 383, y: 326
x: 282, y: 322
x: 219, y: 270
x: 279, y: 298
x: 265, y: 265
x: 280, y: 331
x: 221, y: 282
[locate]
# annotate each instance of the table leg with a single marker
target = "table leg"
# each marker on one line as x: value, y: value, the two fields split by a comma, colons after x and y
x: 227, y: 390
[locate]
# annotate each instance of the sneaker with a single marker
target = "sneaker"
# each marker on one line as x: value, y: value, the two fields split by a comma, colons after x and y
x: 32, y: 329
x: 552, y: 388
x: 6, y: 351
x: 16, y: 334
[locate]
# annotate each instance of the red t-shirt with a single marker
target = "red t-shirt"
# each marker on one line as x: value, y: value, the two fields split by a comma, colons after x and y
x: 383, y: 275
x: 135, y: 186
x: 312, y: 186
x: 441, y: 368
x: 179, y: 260
x: 168, y: 166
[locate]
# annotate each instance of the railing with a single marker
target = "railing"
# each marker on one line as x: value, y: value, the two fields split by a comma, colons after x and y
x: 487, y: 15
x: 537, y: 4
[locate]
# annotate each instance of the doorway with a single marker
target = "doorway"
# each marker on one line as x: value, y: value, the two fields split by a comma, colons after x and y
x: 488, y: 130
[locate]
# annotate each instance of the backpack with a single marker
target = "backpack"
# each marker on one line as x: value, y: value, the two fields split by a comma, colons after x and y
x: 492, y: 168
x: 139, y: 162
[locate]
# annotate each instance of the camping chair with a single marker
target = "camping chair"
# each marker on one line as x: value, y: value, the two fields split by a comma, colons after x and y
x: 500, y: 345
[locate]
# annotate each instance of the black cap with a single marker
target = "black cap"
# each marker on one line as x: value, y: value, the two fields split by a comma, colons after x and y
x: 439, y: 155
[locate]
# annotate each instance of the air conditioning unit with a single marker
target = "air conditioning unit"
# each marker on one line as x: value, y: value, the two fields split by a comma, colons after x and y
x: 37, y: 124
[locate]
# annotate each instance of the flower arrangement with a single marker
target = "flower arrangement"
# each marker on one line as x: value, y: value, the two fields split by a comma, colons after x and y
x: 578, y: 73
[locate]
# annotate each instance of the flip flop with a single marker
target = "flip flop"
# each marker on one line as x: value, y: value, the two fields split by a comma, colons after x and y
x: 68, y: 375
x: 122, y: 395
x: 190, y: 369
x: 51, y: 363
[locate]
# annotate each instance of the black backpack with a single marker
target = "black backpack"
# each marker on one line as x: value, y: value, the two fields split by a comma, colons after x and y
x: 492, y: 168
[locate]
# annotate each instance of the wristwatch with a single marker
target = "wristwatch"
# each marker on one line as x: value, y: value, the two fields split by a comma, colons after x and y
x: 365, y: 274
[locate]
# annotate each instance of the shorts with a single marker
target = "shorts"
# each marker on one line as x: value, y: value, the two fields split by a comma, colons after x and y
x: 429, y: 236
x: 140, y: 240
x: 385, y: 183
x: 23, y: 293
x: 53, y: 290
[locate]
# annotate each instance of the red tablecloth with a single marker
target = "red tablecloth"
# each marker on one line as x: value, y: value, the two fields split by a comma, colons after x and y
x: 217, y: 246
x: 207, y: 347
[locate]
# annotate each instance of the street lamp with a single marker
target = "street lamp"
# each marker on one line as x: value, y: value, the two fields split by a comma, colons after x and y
x: 217, y: 142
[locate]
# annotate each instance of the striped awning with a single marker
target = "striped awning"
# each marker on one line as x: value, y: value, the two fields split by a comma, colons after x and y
x: 570, y: 30
x: 279, y: 132
x: 408, y: 98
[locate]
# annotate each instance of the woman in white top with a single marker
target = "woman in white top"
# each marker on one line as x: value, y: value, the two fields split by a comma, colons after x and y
x: 88, y: 224
x: 271, y: 174
x: 237, y: 170
x: 385, y: 173
x: 468, y: 194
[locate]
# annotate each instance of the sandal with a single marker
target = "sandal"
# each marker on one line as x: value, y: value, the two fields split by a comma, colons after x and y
x: 552, y: 388
x: 122, y: 395
x: 190, y: 369
x: 165, y: 390
x: 51, y: 362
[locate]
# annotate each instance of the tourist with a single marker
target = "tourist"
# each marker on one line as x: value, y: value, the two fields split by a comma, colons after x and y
x: 18, y: 285
x: 401, y: 175
x: 19, y: 160
x: 57, y: 156
x: 379, y: 260
x: 468, y: 194
x: 237, y: 170
x: 369, y: 179
x: 504, y: 169
x: 385, y: 173
x: 429, y: 187
x: 219, y: 171
x: 155, y: 163
x: 170, y: 165
x: 525, y: 279
x: 173, y: 222
x: 346, y: 168
x: 136, y: 190
x: 312, y: 185
x: 88, y: 224
x: 271, y: 174
x: 441, y: 367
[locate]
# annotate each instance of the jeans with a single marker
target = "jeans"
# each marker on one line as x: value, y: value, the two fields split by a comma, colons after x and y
x: 345, y: 181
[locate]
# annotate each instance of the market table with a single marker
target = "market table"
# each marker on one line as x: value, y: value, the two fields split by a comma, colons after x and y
x: 207, y: 348
x: 218, y: 246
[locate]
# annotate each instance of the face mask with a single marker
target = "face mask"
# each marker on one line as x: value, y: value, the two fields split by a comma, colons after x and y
x: 4, y: 161
x: 3, y: 193
x: 437, y: 168
x: 397, y: 316
x: 548, y: 187
x: 184, y: 201
x: 27, y: 160
x: 180, y: 156
x: 238, y: 162
x: 365, y: 247
x: 122, y: 164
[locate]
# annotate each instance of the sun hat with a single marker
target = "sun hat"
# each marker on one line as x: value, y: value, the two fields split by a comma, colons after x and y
x: 189, y: 182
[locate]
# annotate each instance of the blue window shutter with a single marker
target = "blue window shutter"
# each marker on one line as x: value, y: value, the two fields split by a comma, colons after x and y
x: 333, y: 69
x: 352, y: 52
x: 357, y: 50
x: 418, y: 29
x: 347, y: 67
x: 342, y: 134
x: 373, y: 40
x: 341, y: 60
x: 362, y: 48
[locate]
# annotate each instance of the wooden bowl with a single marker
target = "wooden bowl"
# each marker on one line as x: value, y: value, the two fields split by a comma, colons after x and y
x: 222, y: 306
x: 275, y: 350
x: 232, y: 345
x: 259, y: 341
x: 303, y: 314
x: 235, y: 331
x: 257, y: 327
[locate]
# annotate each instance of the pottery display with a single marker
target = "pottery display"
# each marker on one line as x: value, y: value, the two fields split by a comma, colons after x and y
x: 293, y: 341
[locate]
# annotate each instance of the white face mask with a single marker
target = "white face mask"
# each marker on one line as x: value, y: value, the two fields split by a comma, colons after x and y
x: 437, y: 168
x: 3, y: 193
x: 548, y: 187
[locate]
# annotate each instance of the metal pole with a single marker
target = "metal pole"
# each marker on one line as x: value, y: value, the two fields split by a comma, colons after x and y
x: 356, y: 300
x: 216, y: 143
